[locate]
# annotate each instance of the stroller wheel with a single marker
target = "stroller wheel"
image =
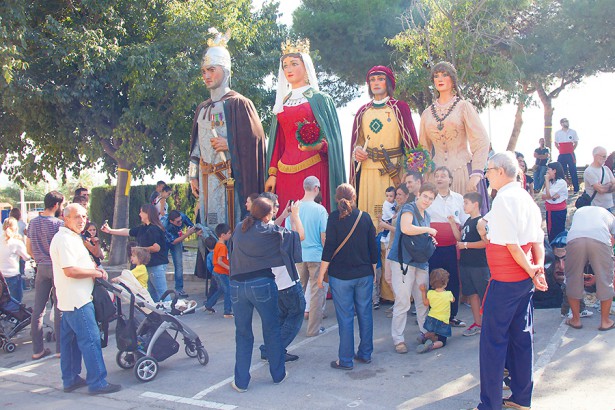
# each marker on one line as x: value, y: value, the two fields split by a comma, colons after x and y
x: 191, y: 350
x: 202, y: 356
x: 146, y: 369
x: 126, y: 360
x: 9, y: 347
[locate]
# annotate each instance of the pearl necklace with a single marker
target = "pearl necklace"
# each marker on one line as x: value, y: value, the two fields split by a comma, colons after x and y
x: 440, y: 120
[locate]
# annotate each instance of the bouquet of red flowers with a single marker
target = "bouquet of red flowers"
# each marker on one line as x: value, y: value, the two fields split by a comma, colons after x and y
x: 419, y: 160
x: 309, y: 133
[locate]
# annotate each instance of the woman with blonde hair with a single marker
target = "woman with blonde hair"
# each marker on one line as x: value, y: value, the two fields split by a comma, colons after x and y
x: 350, y: 255
x: 12, y: 249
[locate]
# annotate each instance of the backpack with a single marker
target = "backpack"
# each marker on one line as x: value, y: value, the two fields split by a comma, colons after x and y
x: 104, y: 310
x: 419, y: 247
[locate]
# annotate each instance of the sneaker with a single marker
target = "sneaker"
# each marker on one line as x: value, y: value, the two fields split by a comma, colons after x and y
x: 290, y: 358
x: 229, y: 316
x: 401, y: 348
x: 181, y: 294
x: 413, y: 311
x: 472, y: 330
x: 506, y: 383
x: 238, y: 389
x: 584, y: 313
x: 421, y: 338
x: 428, y: 346
x: 376, y: 306
x: 109, y: 388
x: 210, y: 310
x: 457, y: 323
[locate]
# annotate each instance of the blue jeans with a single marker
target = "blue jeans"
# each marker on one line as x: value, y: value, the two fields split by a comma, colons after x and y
x: 80, y: 338
x: 539, y: 177
x: 291, y: 306
x: 350, y: 296
x: 223, y: 289
x: 157, y: 281
x: 177, y: 254
x: 262, y: 294
x: 15, y: 287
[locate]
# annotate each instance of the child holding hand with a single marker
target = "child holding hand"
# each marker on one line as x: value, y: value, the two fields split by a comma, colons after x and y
x: 439, y: 301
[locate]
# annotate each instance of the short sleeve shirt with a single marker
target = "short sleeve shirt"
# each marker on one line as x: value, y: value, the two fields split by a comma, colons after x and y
x: 440, y: 304
x: 314, y: 220
x: 592, y: 222
x: 220, y: 251
x: 67, y: 250
x: 41, y: 231
x: 593, y: 175
x: 147, y: 235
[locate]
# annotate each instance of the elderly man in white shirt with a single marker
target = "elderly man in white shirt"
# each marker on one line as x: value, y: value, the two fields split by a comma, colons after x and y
x: 515, y: 254
x: 74, y: 273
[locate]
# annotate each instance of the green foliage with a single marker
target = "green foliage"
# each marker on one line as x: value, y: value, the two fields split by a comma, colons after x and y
x: 476, y: 36
x: 102, y: 200
x: 350, y: 34
x: 116, y: 82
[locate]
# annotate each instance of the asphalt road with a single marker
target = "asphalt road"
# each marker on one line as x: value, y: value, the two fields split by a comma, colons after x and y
x: 574, y: 369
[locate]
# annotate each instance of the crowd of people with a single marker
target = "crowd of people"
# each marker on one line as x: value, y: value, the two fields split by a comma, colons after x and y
x: 427, y: 224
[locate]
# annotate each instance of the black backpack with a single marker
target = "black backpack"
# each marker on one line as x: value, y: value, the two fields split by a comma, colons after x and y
x: 104, y: 310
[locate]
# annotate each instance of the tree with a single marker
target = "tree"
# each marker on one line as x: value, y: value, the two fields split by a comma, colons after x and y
x: 114, y: 83
x: 572, y: 40
x: 475, y: 36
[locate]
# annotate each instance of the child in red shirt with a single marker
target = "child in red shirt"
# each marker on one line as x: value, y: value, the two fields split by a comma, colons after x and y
x: 221, y: 272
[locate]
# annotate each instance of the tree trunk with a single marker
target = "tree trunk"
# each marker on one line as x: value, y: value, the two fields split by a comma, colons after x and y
x: 547, y: 103
x: 514, y: 136
x: 118, y: 253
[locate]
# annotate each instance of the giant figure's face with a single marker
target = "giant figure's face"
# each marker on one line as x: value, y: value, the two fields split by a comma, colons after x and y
x: 378, y: 86
x: 294, y: 71
x: 443, y: 82
x: 560, y: 264
x: 213, y: 76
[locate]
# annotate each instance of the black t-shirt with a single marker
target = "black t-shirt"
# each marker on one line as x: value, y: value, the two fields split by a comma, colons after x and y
x: 147, y: 235
x: 542, y: 151
x: 472, y: 257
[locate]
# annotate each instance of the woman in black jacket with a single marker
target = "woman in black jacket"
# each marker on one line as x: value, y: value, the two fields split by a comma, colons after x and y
x: 351, y: 266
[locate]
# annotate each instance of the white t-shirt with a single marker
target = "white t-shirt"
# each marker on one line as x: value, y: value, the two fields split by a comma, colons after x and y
x: 592, y: 175
x: 592, y: 222
x: 442, y: 207
x: 67, y: 250
x: 557, y: 187
x: 10, y: 252
x: 514, y: 217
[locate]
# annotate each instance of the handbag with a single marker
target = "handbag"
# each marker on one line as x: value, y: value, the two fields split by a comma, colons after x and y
x: 356, y: 222
x: 584, y: 199
x: 420, y: 247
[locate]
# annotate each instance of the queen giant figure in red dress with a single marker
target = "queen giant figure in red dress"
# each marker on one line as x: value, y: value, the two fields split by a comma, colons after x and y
x: 305, y: 137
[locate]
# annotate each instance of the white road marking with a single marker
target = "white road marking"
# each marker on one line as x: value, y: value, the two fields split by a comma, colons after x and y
x: 9, y: 372
x: 24, y: 369
x: 257, y: 366
x: 463, y: 383
x: 545, y: 358
x: 185, y: 400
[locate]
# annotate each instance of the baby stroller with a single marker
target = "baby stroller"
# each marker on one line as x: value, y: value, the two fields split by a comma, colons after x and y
x: 15, y: 315
x: 148, y: 335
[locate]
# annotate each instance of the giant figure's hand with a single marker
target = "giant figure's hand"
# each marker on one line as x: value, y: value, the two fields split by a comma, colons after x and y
x: 472, y: 185
x: 270, y: 183
x: 194, y: 186
x: 219, y: 144
x: 306, y: 148
x: 360, y: 154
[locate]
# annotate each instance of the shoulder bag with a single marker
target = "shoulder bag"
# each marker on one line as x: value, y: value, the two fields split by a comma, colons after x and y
x: 420, y: 247
x: 584, y: 199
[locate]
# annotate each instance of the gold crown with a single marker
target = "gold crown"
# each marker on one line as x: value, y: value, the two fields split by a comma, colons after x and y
x: 301, y: 46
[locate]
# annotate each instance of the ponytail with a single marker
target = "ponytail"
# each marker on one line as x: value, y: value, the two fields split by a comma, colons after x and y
x: 345, y: 196
x: 261, y: 207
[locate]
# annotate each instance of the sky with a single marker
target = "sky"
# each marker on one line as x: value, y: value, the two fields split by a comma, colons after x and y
x: 582, y: 104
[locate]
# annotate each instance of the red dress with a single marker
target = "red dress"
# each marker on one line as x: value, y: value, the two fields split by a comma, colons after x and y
x: 294, y: 165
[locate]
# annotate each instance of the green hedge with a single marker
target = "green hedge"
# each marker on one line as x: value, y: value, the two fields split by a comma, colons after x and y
x: 102, y: 201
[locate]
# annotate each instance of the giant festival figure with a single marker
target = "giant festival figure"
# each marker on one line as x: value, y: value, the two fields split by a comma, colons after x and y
x: 227, y: 144
x: 305, y: 137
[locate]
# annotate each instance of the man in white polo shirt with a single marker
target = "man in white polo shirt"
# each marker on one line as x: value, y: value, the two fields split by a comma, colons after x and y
x: 566, y: 141
x: 74, y: 273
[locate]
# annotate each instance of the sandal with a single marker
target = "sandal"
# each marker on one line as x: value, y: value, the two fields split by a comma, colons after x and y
x: 604, y: 329
x: 46, y: 352
x: 569, y: 323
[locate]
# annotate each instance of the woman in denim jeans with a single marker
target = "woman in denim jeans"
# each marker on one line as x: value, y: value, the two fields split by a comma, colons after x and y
x: 255, y: 247
x: 150, y: 236
x: 351, y: 276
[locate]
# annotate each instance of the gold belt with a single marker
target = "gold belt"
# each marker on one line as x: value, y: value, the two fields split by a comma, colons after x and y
x: 305, y: 164
x: 377, y: 154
